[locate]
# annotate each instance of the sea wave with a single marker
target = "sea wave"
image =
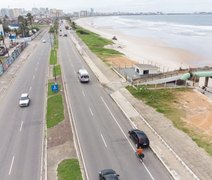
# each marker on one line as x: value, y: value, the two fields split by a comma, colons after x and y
x: 168, y: 27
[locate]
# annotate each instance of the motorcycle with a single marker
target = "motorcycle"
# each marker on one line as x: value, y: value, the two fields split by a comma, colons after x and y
x: 140, y: 157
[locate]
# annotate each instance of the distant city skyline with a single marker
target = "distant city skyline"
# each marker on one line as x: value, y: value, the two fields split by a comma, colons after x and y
x: 117, y: 5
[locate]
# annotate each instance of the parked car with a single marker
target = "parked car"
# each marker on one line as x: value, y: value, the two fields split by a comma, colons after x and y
x: 3, y: 50
x: 44, y: 41
x: 65, y: 35
x: 108, y: 174
x: 24, y: 100
x: 139, y: 138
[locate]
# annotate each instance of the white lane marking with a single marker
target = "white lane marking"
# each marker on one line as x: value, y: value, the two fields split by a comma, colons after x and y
x: 148, y: 171
x: 75, y: 72
x: 21, y: 126
x: 83, y: 93
x: 30, y: 88
x: 38, y: 63
x: 91, y: 111
x: 36, y: 69
x: 104, y: 140
x: 33, y: 76
x: 74, y: 129
x: 123, y: 132
x: 117, y: 123
x: 11, y: 165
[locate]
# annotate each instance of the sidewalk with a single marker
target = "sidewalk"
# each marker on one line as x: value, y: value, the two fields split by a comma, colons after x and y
x: 179, y: 154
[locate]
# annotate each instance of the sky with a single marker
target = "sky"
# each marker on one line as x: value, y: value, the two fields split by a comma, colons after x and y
x: 114, y: 5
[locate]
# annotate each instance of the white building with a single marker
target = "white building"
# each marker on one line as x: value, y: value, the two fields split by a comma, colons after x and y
x: 144, y: 69
x: 17, y: 12
x: 5, y: 12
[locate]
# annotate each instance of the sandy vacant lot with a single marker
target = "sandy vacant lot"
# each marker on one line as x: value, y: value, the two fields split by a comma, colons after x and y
x: 198, y: 110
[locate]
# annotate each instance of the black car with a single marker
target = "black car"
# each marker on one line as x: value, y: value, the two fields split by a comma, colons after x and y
x: 65, y: 35
x: 139, y: 138
x: 108, y: 174
x: 3, y: 51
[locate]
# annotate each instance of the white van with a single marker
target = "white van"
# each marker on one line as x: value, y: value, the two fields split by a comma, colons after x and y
x: 83, y: 75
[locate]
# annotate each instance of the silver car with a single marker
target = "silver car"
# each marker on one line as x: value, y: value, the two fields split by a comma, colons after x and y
x: 24, y: 100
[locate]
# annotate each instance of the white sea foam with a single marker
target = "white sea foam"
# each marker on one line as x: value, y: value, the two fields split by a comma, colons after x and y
x: 168, y: 27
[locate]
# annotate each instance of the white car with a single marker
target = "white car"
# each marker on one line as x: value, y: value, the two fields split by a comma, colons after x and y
x: 83, y: 75
x: 24, y: 100
x: 44, y: 41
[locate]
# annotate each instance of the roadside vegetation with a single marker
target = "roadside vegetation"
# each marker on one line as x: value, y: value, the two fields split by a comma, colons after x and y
x: 55, y: 109
x: 164, y: 101
x: 53, y: 56
x: 57, y: 70
x: 55, y: 40
x: 96, y: 43
x: 69, y: 169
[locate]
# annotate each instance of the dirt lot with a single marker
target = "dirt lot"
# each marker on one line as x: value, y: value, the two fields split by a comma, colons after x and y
x: 198, y: 110
x: 121, y: 61
x: 197, y: 107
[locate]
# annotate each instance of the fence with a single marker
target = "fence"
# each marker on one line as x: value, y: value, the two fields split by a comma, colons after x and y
x: 14, y: 55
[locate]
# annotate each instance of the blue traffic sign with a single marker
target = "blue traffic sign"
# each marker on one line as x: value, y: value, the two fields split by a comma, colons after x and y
x: 55, y: 87
x: 12, y: 36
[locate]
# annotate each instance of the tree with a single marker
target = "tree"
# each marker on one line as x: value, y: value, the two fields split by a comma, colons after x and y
x: 29, y: 18
x: 23, y: 25
x: 73, y: 25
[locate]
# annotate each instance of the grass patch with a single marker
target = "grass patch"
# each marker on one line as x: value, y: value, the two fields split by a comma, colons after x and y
x: 53, y: 57
x: 97, y: 43
x: 40, y: 26
x: 55, y: 41
x: 55, y: 110
x: 69, y: 170
x: 57, y: 70
x: 163, y: 100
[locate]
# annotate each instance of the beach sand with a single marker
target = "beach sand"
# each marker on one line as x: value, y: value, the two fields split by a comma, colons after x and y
x: 144, y: 50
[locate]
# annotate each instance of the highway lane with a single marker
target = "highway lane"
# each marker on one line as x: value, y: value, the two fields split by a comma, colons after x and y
x: 21, y: 129
x: 101, y: 126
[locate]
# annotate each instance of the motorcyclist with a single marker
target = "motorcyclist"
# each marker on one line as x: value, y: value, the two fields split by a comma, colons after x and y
x: 140, y: 152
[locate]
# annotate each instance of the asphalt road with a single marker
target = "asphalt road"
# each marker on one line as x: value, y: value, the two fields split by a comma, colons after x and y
x: 21, y: 129
x: 101, y: 126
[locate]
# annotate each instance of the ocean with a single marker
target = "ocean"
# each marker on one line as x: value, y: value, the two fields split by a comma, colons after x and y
x: 189, y: 32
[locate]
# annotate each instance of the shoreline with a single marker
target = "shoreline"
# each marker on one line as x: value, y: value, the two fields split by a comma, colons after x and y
x: 144, y: 50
